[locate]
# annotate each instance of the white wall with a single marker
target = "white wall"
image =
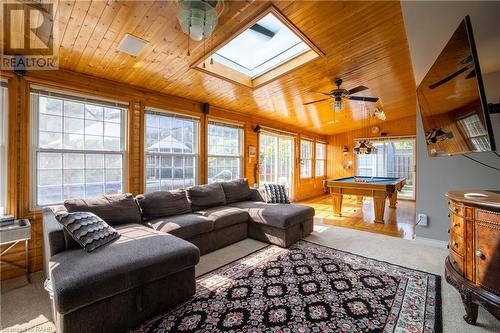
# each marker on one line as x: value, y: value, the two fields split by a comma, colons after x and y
x: 429, y: 25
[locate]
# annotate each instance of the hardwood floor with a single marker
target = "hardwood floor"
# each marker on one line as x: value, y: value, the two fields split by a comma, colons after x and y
x: 400, y: 222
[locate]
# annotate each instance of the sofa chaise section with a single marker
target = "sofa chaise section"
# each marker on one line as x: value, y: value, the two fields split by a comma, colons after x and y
x: 279, y: 224
x: 142, y: 274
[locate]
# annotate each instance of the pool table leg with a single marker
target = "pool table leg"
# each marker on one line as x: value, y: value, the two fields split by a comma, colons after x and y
x: 393, y: 199
x: 337, y: 204
x: 379, y: 206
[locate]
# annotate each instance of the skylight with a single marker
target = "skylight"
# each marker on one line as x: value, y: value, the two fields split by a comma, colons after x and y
x: 262, y: 47
x: 262, y: 50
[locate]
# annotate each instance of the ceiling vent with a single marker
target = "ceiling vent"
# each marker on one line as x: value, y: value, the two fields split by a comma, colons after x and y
x: 132, y: 45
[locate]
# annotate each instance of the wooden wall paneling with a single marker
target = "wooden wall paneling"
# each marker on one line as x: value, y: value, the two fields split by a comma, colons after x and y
x: 135, y: 147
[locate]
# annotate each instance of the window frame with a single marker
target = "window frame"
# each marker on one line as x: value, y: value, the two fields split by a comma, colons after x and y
x: 316, y: 159
x: 4, y: 142
x: 241, y: 143
x: 301, y: 158
x: 35, y: 93
x: 197, y: 155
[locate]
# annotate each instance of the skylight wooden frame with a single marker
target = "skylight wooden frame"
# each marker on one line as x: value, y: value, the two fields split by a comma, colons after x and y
x: 226, y: 73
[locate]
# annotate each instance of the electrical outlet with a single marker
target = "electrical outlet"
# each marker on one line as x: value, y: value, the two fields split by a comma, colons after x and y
x: 422, y: 220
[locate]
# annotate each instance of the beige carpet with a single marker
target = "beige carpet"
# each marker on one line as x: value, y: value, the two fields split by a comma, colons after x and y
x: 27, y: 309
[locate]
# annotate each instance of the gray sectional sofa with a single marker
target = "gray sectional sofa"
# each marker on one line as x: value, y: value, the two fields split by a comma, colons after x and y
x: 150, y: 268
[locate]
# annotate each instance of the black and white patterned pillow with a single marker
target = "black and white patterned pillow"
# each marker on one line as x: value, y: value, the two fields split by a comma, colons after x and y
x: 276, y: 194
x: 87, y: 229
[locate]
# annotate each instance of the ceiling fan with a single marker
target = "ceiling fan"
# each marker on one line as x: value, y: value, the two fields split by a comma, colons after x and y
x: 467, y: 63
x: 338, y: 94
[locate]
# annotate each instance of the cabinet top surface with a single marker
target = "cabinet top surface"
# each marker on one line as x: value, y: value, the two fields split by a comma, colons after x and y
x: 481, y: 198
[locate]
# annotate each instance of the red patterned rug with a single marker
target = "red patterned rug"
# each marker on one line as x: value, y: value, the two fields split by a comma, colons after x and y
x: 308, y: 288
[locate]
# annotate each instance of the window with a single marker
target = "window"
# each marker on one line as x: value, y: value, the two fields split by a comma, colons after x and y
x: 320, y: 159
x: 306, y: 149
x: 171, y: 147
x: 3, y: 142
x: 262, y: 47
x: 225, y: 152
x: 474, y: 131
x: 79, y: 147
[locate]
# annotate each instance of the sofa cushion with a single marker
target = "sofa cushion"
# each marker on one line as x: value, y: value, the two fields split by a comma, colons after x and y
x: 184, y: 226
x: 206, y: 196
x: 276, y: 215
x: 224, y: 216
x: 140, y: 256
x: 87, y: 229
x: 164, y: 203
x: 236, y: 190
x: 114, y: 209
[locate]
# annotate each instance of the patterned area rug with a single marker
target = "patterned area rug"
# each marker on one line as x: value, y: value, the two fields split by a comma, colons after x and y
x: 308, y: 288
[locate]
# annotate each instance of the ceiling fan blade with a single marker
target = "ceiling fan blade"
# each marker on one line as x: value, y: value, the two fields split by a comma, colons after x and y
x: 448, y: 78
x: 357, y: 89
x: 363, y: 99
x: 471, y: 74
x: 321, y: 93
x: 320, y: 100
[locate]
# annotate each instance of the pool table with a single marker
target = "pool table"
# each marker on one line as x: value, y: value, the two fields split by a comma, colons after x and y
x: 377, y: 187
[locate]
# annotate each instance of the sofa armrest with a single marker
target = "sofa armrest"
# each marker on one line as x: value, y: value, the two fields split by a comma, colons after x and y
x: 53, y: 235
x: 257, y: 194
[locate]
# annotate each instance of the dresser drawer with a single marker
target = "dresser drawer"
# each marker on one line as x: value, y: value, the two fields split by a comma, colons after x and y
x: 456, y: 208
x: 457, y: 261
x: 457, y: 225
x: 456, y: 243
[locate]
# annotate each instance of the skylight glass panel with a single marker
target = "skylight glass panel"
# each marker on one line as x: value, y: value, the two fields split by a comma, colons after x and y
x: 262, y: 47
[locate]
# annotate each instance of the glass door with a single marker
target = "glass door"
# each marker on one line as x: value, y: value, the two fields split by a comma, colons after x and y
x: 276, y: 160
x: 393, y: 158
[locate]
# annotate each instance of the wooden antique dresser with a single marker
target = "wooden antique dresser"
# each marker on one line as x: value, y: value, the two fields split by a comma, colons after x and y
x: 473, y: 265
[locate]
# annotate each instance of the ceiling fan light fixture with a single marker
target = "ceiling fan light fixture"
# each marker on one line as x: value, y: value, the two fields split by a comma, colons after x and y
x: 197, y: 18
x: 337, y: 104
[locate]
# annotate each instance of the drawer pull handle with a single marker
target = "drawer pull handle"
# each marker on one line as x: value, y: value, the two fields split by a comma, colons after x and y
x: 480, y: 255
x: 454, y: 262
x: 455, y: 244
x: 456, y: 225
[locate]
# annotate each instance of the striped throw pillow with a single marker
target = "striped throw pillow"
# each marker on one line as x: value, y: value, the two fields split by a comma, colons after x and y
x: 87, y: 229
x: 276, y: 194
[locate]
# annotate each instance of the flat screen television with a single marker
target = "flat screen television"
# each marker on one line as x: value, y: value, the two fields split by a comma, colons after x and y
x: 452, y: 99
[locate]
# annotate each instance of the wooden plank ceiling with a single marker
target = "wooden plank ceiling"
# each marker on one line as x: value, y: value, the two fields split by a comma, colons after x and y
x: 364, y: 42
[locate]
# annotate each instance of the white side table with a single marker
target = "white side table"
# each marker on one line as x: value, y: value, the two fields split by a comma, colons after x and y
x: 14, y: 234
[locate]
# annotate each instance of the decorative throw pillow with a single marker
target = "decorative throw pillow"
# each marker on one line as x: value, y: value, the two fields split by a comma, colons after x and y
x: 87, y: 229
x: 276, y: 194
